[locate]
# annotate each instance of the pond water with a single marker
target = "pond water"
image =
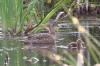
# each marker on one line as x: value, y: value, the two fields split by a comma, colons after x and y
x: 12, y: 52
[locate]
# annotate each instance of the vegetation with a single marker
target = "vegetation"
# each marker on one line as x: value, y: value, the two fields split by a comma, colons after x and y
x: 14, y: 14
x: 20, y: 17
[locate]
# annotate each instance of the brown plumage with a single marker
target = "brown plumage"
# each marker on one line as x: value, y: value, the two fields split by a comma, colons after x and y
x: 43, y: 38
x: 78, y: 44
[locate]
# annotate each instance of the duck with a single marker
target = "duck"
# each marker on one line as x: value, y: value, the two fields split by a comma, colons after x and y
x: 76, y: 45
x: 43, y: 38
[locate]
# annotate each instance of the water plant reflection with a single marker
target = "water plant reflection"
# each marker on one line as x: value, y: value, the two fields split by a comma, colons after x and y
x: 47, y: 51
x: 6, y: 61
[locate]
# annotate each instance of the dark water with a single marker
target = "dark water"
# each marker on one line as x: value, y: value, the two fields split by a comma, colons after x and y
x: 12, y: 52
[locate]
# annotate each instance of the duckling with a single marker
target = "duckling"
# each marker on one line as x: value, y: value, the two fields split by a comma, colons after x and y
x: 78, y: 44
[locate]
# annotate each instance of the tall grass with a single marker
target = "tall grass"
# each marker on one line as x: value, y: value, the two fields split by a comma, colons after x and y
x: 14, y: 16
x: 44, y: 18
x: 91, y: 43
x: 11, y: 14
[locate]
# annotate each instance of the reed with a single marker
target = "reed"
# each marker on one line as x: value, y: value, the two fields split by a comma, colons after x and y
x: 92, y: 43
x: 45, y: 19
x: 14, y: 14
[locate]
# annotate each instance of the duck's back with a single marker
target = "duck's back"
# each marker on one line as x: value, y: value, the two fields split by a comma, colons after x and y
x: 42, y: 38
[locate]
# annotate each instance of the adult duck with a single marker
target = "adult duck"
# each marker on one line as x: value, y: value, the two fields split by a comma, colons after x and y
x: 78, y: 44
x: 43, y: 38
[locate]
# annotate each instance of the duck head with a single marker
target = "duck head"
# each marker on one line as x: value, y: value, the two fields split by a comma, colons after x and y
x: 50, y: 27
x: 79, y: 43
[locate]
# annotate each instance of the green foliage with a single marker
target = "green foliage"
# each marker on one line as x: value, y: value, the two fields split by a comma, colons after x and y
x: 14, y: 16
x: 43, y: 19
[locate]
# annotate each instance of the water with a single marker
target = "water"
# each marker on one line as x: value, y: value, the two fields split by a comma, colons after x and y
x: 12, y: 52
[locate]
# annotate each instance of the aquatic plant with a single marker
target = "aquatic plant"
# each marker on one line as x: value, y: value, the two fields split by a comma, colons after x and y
x: 14, y: 15
x: 92, y: 43
x: 17, y: 20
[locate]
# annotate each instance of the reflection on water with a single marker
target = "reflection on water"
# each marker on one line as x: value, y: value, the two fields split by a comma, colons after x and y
x: 12, y: 53
x: 80, y: 60
x: 6, y: 62
x: 36, y: 55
